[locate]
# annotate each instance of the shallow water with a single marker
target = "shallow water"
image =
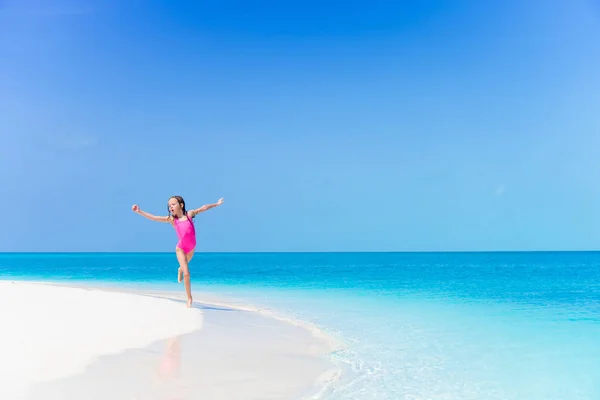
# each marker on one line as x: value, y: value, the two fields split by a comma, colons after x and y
x: 417, y: 325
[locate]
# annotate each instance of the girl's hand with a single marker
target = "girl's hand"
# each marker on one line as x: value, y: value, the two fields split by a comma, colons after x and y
x: 205, y: 207
x: 151, y: 217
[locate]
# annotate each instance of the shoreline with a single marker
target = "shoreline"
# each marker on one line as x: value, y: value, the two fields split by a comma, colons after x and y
x: 318, y: 345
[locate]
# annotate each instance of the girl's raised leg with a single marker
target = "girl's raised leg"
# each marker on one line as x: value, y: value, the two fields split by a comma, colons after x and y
x: 179, y: 271
x: 183, y: 266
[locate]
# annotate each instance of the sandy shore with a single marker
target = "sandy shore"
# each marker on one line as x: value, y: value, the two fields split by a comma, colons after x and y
x: 64, y: 343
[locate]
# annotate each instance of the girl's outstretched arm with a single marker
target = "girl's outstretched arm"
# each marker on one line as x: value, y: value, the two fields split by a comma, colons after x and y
x: 136, y: 209
x: 205, y: 207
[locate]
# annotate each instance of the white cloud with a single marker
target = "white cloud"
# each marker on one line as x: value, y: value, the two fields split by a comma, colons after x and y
x: 75, y: 142
x: 500, y: 189
x: 64, y: 142
x: 39, y: 8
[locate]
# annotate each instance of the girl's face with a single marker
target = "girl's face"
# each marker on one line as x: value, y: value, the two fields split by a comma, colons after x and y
x: 175, y: 207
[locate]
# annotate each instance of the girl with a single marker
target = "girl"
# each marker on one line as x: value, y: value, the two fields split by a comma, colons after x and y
x: 184, y: 226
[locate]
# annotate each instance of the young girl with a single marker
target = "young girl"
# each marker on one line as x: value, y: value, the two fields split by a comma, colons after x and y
x: 184, y: 226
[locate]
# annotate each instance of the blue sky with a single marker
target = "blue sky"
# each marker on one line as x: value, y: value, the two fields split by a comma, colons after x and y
x: 327, y: 126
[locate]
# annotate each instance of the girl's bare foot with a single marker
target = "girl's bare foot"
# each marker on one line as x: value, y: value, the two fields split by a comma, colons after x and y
x: 179, y: 275
x: 189, y: 303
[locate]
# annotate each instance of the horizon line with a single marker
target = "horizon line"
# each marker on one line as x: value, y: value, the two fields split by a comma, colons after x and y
x: 310, y: 252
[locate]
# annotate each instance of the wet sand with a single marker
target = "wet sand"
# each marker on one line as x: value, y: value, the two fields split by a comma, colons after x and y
x: 208, y: 352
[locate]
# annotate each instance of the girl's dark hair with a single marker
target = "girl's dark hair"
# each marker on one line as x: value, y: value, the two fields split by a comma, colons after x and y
x: 181, y: 203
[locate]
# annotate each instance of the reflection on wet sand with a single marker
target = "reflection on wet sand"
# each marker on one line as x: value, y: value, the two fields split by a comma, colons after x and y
x: 169, y: 384
x: 149, y: 374
x: 170, y: 366
x: 235, y: 355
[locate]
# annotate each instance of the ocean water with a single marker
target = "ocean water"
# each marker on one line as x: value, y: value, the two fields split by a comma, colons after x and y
x: 416, y: 325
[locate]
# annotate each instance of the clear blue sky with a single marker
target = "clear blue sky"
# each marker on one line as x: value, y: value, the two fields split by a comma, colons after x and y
x: 327, y: 126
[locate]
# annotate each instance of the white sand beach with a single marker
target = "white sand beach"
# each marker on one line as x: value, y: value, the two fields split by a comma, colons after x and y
x: 60, y: 342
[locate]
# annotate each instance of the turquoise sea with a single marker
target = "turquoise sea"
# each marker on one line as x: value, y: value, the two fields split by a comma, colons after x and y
x: 416, y: 325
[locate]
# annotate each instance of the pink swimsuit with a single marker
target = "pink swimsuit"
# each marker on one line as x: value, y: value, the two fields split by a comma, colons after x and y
x: 186, y: 234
